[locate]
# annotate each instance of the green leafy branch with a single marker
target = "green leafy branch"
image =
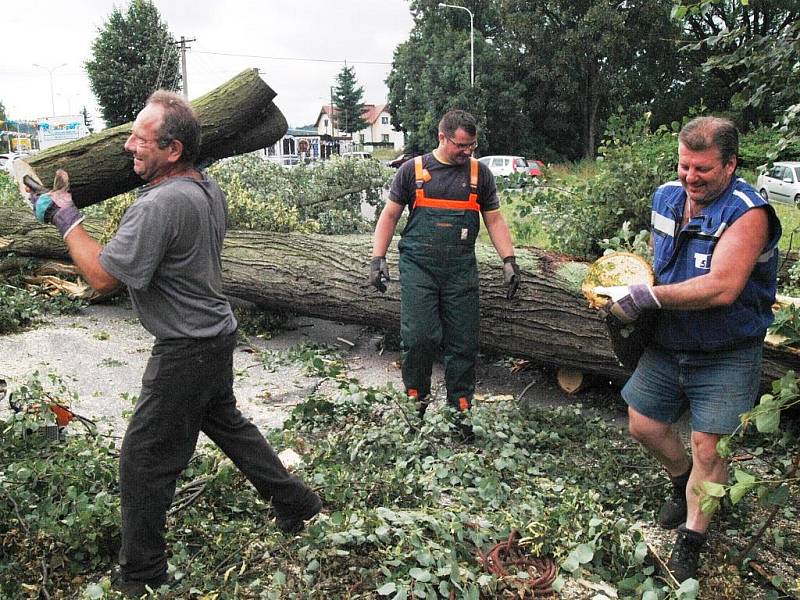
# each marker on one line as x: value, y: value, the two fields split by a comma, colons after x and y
x: 773, y: 493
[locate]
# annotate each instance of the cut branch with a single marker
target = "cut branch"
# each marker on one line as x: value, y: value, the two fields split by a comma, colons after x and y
x: 237, y: 117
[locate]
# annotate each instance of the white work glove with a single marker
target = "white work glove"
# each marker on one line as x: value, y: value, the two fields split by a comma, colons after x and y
x: 626, y: 302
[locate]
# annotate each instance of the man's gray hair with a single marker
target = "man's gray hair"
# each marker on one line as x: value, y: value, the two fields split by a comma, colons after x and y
x: 180, y: 123
x: 704, y: 133
x: 458, y: 119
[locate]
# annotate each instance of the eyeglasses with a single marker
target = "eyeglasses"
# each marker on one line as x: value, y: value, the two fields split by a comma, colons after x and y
x: 470, y: 146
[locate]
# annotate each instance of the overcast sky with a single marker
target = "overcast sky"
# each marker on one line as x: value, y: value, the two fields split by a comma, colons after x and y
x: 231, y: 35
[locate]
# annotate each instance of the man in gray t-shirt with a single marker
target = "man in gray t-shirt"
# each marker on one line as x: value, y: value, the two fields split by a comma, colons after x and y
x: 168, y: 252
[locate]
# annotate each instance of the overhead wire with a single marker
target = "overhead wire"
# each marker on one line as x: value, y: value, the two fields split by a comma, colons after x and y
x: 296, y: 58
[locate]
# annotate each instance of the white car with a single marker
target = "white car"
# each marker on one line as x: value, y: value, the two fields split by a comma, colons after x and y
x: 365, y: 155
x: 503, y: 166
x: 6, y: 160
x: 288, y: 161
x: 781, y: 183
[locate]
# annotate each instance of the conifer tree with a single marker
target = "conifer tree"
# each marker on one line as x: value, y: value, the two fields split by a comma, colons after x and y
x: 349, y: 108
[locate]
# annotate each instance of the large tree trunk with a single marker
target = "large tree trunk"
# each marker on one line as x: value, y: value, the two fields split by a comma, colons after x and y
x: 325, y: 276
x: 237, y: 117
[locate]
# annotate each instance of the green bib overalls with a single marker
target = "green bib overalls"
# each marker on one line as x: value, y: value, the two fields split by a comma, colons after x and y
x: 439, y: 290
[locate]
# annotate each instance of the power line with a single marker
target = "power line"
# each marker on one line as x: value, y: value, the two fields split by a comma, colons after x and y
x: 294, y: 58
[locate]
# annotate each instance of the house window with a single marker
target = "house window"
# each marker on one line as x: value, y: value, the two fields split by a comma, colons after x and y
x: 361, y: 137
x: 385, y: 137
x: 384, y: 120
x: 326, y: 122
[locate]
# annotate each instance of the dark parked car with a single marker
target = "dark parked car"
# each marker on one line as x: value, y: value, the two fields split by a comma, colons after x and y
x: 403, y: 158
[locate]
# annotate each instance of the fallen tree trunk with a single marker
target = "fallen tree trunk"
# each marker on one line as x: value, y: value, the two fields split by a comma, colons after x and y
x: 237, y: 117
x: 325, y: 276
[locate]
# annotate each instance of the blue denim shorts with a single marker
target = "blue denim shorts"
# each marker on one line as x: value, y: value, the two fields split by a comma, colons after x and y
x: 715, y: 386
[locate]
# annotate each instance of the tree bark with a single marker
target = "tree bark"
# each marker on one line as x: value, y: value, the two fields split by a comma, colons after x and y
x: 237, y: 117
x: 548, y: 321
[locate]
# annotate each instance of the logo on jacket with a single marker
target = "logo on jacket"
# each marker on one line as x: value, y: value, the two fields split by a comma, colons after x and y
x: 702, y: 261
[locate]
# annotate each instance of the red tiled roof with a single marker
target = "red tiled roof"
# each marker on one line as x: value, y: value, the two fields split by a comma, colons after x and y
x: 370, y: 114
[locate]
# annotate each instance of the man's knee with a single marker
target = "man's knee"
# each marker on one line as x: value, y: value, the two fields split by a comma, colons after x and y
x: 422, y: 342
x: 704, y: 448
x: 643, y: 428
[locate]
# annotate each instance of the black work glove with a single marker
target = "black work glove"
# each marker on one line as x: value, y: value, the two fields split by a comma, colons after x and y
x: 511, y: 276
x: 378, y: 273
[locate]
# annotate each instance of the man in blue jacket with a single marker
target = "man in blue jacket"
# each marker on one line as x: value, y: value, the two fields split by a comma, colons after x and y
x: 715, y: 251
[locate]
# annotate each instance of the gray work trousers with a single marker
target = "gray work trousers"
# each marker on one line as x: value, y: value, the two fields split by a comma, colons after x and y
x: 187, y: 387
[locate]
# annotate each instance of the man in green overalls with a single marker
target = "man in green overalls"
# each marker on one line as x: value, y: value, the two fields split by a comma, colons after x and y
x: 445, y: 191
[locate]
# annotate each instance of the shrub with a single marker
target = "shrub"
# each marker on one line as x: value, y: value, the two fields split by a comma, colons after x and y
x: 9, y: 193
x: 633, y: 162
x: 324, y: 199
x: 758, y: 146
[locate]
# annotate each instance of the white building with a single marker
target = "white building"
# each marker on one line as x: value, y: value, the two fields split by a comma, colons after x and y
x: 378, y: 133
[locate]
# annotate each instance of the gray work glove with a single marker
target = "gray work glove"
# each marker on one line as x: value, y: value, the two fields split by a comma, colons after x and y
x: 626, y: 302
x: 378, y: 273
x: 56, y: 206
x: 511, y: 275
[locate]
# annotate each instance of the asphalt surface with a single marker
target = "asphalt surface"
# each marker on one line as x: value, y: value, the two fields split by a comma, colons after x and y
x: 101, y: 354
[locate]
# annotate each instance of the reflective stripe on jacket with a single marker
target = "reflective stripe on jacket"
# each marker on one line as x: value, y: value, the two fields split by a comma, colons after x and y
x: 422, y: 176
x: 681, y: 254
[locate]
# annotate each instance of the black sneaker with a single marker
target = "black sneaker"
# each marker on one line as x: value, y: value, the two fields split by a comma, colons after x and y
x: 685, y: 555
x: 293, y: 523
x: 673, y: 511
x: 136, y: 588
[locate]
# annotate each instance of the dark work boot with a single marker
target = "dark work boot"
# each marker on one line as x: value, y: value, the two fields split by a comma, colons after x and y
x: 423, y: 402
x: 673, y: 510
x: 686, y: 554
x: 293, y: 523
x: 135, y: 588
x: 464, y: 428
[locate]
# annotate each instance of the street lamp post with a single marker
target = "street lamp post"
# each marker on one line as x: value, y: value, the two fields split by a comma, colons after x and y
x: 52, y: 95
x: 471, y: 41
x: 69, y: 98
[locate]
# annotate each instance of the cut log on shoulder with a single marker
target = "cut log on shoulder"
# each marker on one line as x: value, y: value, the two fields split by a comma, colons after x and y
x: 237, y: 117
x: 326, y: 276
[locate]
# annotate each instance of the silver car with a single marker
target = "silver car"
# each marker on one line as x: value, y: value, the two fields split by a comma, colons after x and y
x: 781, y: 183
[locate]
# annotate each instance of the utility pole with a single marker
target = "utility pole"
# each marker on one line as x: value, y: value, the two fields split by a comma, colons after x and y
x: 332, y: 110
x: 184, y: 47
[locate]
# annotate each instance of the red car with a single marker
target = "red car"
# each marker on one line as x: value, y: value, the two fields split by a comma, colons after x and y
x: 535, y: 167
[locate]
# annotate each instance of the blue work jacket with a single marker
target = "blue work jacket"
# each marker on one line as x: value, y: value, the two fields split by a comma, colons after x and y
x: 684, y: 253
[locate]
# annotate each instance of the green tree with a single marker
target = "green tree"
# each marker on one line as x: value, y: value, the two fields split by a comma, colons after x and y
x: 348, y: 96
x: 133, y: 55
x: 431, y: 71
x: 579, y: 60
x: 2, y: 113
x: 547, y: 75
x: 742, y: 56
